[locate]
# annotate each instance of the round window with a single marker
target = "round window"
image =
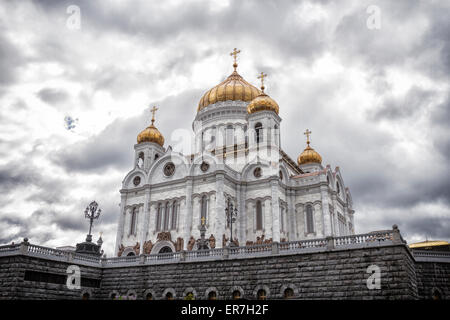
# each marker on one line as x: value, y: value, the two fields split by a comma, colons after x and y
x: 137, y: 181
x: 204, y: 166
x: 169, y: 169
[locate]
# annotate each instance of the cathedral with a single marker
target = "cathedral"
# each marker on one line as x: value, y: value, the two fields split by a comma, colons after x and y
x: 237, y: 187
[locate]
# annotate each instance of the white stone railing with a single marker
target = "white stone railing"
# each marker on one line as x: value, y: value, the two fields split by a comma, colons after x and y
x: 258, y: 250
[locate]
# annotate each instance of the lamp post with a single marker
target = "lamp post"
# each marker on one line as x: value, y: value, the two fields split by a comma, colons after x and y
x: 92, y: 212
x: 231, y: 214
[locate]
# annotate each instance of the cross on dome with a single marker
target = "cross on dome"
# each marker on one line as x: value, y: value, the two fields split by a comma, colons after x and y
x: 262, y: 76
x: 307, y: 133
x: 235, y: 53
x: 153, y: 110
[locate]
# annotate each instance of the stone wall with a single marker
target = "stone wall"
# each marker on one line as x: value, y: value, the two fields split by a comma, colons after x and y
x: 334, y: 274
x: 431, y: 277
x: 14, y: 286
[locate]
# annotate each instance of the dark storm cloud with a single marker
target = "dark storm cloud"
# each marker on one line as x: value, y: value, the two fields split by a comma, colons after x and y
x: 52, y: 96
x: 414, y: 101
x: 427, y: 227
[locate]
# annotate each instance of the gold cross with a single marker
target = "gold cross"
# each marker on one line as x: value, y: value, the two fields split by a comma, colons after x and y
x: 235, y: 53
x: 153, y: 110
x: 307, y: 133
x: 203, y: 220
x: 262, y: 76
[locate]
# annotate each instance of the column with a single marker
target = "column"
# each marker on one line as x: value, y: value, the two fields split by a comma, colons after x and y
x: 242, y: 213
x: 292, y: 219
x: 326, y: 217
x: 220, y: 207
x: 121, y: 222
x: 275, y: 212
x: 188, y: 216
x: 144, y: 225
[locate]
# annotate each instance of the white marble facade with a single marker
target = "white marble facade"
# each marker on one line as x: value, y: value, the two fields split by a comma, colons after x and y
x: 277, y: 200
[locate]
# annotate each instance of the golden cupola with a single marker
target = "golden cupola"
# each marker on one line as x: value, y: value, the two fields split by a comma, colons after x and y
x: 232, y: 88
x: 262, y: 102
x: 151, y: 133
x: 309, y: 155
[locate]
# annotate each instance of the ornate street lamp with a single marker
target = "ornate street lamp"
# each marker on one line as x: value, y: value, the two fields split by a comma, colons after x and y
x: 92, y: 212
x: 231, y: 214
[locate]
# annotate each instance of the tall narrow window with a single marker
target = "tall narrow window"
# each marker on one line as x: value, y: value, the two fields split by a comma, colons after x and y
x: 174, y: 215
x: 158, y: 217
x: 228, y: 206
x: 277, y: 135
x: 309, y: 219
x: 230, y: 135
x: 246, y: 136
x: 204, y: 209
x: 258, y: 132
x: 166, y: 216
x: 259, y: 218
x: 133, y: 221
x: 282, y: 219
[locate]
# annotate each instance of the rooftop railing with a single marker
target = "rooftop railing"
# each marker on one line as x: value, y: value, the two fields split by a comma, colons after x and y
x: 379, y: 238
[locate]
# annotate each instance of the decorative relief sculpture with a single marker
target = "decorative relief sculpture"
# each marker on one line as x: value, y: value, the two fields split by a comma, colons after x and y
x: 121, y: 249
x: 164, y: 236
x: 179, y: 244
x: 137, y: 248
x: 191, y: 244
x: 204, y: 166
x: 224, y: 241
x: 259, y: 240
x: 212, y: 242
x: 148, y: 245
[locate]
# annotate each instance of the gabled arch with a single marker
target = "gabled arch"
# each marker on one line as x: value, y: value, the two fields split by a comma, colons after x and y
x: 181, y: 166
x: 130, y: 176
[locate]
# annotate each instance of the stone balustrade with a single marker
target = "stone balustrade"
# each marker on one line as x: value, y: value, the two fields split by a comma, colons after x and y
x: 380, y: 238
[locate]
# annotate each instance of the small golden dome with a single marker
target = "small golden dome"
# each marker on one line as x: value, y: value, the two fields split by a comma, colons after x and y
x: 309, y: 155
x: 232, y: 88
x: 151, y: 133
x: 262, y: 101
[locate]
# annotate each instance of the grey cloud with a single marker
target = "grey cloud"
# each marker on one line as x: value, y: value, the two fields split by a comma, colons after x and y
x: 414, y: 101
x: 52, y: 96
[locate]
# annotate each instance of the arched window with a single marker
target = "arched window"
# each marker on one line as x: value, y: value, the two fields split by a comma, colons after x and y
x: 149, y: 296
x: 158, y: 217
x: 277, y: 135
x: 174, y: 215
x: 261, y: 294
x: 258, y: 132
x: 436, y: 295
x: 156, y: 156
x: 212, y: 295
x: 246, y: 136
x: 204, y: 209
x: 309, y: 219
x: 259, y: 217
x: 165, y: 249
x: 189, y: 296
x: 338, y: 188
x: 85, y: 296
x: 236, y: 295
x: 133, y: 221
x: 288, y: 293
x: 131, y: 254
x: 169, y: 296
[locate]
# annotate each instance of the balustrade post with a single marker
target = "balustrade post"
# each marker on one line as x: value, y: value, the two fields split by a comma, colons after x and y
x: 396, y: 236
x: 103, y: 261
x: 24, y: 246
x: 330, y: 243
x: 226, y: 252
x: 141, y: 259
x: 183, y: 255
x: 275, y: 247
x: 70, y: 256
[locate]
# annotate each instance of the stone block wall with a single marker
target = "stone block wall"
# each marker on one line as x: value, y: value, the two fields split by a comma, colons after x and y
x: 332, y: 274
x: 432, y: 277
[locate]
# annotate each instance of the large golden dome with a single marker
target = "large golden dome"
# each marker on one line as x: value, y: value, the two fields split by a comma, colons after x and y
x: 309, y: 155
x: 262, y: 101
x: 232, y: 88
x: 151, y: 133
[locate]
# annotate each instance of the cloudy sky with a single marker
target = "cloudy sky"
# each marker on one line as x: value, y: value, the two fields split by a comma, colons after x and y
x: 369, y: 78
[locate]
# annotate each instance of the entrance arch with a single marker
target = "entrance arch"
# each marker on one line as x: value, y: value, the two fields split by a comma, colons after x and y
x: 163, y: 245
